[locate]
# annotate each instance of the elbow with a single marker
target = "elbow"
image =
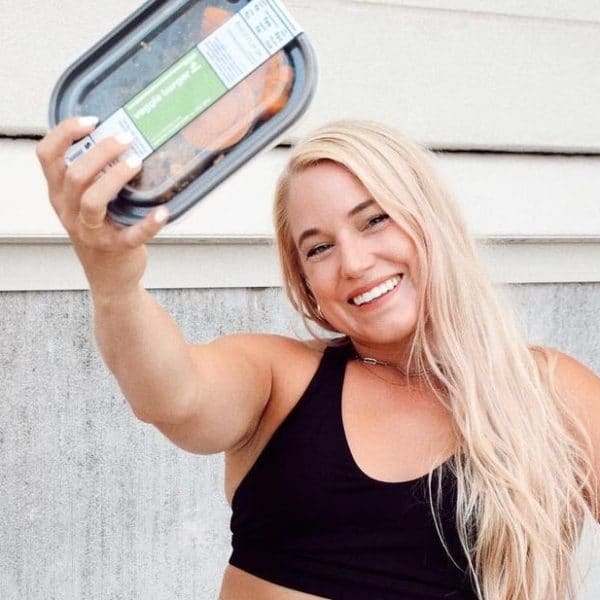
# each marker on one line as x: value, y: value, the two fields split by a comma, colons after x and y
x: 168, y: 416
x: 170, y: 407
x: 141, y: 415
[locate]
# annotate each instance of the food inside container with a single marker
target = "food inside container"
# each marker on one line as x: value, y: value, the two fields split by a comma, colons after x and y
x: 202, y: 85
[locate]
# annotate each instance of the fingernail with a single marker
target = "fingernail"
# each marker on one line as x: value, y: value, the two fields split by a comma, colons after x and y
x: 161, y: 214
x: 88, y: 121
x: 124, y: 137
x: 133, y: 161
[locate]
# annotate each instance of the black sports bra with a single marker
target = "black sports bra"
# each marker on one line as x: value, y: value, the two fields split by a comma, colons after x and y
x: 308, y: 518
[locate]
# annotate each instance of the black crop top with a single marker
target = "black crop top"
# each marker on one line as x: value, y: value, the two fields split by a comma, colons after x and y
x: 306, y: 516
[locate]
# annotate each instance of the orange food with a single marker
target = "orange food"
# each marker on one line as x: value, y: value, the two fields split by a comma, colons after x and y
x: 226, y: 122
x: 276, y: 92
x: 260, y: 96
x: 212, y: 18
x: 272, y: 82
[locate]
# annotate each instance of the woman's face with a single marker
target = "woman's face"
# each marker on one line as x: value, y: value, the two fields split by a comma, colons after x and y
x: 360, y: 265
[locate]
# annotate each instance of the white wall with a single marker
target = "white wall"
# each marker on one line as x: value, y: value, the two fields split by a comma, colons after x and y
x: 510, y: 87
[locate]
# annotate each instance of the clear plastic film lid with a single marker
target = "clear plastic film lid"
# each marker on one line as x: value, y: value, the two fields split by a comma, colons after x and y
x: 202, y: 86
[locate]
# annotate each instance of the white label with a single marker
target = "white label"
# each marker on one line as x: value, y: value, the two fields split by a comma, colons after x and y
x: 233, y: 51
x: 246, y: 40
x: 271, y: 23
x: 117, y: 123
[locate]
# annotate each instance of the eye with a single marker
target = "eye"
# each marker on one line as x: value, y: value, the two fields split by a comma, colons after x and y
x: 316, y: 250
x: 377, y: 219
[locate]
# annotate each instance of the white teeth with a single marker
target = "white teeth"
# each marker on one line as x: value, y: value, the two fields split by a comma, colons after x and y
x: 377, y: 291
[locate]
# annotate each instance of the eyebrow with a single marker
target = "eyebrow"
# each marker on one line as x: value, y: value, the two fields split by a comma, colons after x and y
x: 357, y: 209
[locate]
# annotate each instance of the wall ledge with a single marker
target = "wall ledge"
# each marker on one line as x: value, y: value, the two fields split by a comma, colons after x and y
x: 50, y: 264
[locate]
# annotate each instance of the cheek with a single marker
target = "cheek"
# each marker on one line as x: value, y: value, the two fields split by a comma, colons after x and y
x: 408, y: 252
x: 318, y: 284
x: 416, y: 271
x: 321, y: 283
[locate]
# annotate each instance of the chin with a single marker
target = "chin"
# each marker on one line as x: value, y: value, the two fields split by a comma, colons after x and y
x: 385, y: 330
x: 384, y: 335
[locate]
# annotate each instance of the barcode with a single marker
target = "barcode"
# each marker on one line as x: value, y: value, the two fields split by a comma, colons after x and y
x: 75, y: 155
x: 78, y: 149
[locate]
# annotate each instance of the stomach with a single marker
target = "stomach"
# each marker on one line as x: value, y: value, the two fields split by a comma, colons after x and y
x: 240, y: 585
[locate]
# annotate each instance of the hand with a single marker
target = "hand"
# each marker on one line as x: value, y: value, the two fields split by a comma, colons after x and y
x: 114, y: 257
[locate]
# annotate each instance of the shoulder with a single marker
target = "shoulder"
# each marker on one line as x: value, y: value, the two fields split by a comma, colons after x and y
x: 580, y: 386
x: 279, y: 358
x: 239, y: 378
x: 290, y: 359
x: 573, y: 378
x: 272, y: 348
x: 291, y: 363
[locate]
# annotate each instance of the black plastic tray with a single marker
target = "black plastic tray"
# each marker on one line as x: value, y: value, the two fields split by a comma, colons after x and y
x: 133, y: 55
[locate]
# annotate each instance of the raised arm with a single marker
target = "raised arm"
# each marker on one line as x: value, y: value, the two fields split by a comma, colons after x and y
x: 206, y: 398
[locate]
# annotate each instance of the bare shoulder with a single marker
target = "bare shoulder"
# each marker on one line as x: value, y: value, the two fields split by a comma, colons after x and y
x: 289, y: 359
x: 581, y: 387
x: 238, y: 378
x: 275, y: 350
x: 292, y: 365
x: 288, y: 363
x: 573, y: 377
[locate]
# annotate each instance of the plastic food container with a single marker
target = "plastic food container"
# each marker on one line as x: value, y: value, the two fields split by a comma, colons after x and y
x: 202, y: 85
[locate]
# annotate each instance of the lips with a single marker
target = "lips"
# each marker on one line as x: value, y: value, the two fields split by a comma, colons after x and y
x: 375, y: 290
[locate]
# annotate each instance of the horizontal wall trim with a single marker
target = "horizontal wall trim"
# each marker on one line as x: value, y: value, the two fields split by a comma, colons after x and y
x: 202, y: 239
x: 500, y: 195
x: 53, y: 266
x: 580, y: 11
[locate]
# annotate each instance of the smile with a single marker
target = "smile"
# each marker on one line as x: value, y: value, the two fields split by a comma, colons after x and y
x: 378, y: 291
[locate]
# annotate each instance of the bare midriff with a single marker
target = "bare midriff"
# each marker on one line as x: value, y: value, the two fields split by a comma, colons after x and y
x: 239, y: 585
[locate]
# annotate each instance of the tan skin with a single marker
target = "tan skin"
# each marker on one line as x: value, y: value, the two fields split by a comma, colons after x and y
x: 233, y: 393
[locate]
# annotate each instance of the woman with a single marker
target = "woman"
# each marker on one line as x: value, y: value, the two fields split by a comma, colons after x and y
x: 426, y: 452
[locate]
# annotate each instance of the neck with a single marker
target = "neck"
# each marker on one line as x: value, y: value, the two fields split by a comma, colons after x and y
x: 391, y: 359
x: 367, y: 360
x: 392, y: 354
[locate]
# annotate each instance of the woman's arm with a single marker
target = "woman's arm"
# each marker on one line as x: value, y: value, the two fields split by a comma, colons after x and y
x: 205, y: 398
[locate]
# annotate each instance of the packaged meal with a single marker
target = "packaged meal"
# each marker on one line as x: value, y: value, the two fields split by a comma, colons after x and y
x: 202, y: 85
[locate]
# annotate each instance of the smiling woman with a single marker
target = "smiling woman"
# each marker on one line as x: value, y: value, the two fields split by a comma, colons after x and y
x: 373, y: 247
x: 409, y: 456
x: 361, y: 265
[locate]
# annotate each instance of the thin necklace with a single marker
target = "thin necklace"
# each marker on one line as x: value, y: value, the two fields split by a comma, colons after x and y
x: 367, y: 360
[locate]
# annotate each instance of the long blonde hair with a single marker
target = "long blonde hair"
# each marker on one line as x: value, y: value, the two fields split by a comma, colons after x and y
x: 523, y: 469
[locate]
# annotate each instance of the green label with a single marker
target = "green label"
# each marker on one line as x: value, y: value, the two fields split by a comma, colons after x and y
x: 175, y: 98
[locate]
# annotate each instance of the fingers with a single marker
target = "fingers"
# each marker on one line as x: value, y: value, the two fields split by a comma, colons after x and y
x: 51, y: 150
x: 80, y: 192
x: 82, y: 172
x: 145, y: 230
x: 92, y: 209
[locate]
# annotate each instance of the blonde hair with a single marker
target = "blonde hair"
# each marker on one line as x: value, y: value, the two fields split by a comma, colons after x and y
x: 523, y: 469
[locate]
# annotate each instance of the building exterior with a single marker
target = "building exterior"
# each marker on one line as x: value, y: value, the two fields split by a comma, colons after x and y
x: 98, y: 505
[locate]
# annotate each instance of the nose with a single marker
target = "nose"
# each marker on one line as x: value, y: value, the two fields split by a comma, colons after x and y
x: 355, y: 258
